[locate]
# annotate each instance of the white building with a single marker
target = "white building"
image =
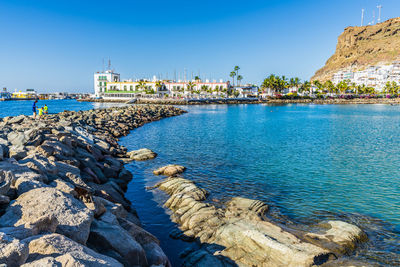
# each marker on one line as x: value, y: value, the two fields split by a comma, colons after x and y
x: 247, y: 91
x: 373, y: 76
x: 107, y: 84
x: 101, y: 79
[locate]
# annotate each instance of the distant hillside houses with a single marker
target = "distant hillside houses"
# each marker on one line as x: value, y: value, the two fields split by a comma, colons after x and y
x: 373, y: 76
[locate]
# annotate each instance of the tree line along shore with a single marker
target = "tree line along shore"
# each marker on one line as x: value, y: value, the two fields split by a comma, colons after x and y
x: 62, y: 185
x: 269, y: 100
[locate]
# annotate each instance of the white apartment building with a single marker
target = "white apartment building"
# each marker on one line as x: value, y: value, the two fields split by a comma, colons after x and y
x: 162, y: 88
x: 373, y: 76
x: 247, y: 91
x: 107, y: 84
x: 101, y: 79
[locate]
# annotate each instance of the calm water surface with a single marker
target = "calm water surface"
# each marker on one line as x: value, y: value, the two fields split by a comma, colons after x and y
x: 24, y: 107
x: 309, y: 162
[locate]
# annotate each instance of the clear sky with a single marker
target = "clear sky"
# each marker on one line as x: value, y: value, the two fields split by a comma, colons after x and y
x: 57, y: 45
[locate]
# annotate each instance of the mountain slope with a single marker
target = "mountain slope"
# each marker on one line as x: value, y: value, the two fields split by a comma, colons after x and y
x: 359, y: 47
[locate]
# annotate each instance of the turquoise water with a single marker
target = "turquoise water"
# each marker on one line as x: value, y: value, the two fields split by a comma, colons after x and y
x: 309, y: 162
x: 15, y: 108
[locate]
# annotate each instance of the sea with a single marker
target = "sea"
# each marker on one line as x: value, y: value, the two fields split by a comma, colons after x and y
x: 308, y: 162
x: 24, y: 107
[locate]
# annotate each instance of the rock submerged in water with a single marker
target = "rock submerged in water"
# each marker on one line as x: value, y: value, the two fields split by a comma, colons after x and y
x: 62, y: 181
x: 170, y: 170
x: 142, y: 154
x: 240, y: 233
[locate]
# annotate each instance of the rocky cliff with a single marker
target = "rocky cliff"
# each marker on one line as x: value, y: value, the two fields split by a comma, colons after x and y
x: 359, y: 47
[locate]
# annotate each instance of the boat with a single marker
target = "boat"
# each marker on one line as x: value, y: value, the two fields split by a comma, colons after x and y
x: 29, y: 94
x: 4, y: 95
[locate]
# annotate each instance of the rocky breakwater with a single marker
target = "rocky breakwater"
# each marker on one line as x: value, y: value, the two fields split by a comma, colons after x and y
x: 240, y: 233
x: 62, y: 184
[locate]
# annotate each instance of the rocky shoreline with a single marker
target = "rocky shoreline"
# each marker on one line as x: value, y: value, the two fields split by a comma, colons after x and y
x: 239, y: 232
x: 62, y: 184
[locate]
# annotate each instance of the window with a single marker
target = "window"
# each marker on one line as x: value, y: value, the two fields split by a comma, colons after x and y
x: 124, y: 87
x: 99, y: 83
x: 131, y: 87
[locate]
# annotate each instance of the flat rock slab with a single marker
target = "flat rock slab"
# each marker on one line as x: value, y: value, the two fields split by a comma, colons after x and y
x: 246, y: 237
x: 170, y: 170
x: 73, y: 217
x: 142, y: 154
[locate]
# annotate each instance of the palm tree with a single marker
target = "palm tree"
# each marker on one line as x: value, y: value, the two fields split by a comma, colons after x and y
x: 236, y: 69
x: 204, y: 88
x: 141, y: 85
x: 353, y: 87
x: 275, y: 83
x: 233, y: 74
x: 158, y: 85
x: 342, y: 86
x: 329, y: 86
x: 239, y: 79
x: 319, y: 86
x: 291, y: 82
x: 305, y: 87
x: 296, y: 82
x: 190, y: 86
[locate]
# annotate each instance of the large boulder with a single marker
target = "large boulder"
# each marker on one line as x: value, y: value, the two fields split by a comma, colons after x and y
x: 17, y: 152
x: 20, y: 171
x: 24, y: 185
x: 62, y: 251
x: 112, y: 192
x: 7, y: 179
x: 64, y: 168
x: 41, y: 163
x: 142, y: 154
x: 13, y: 253
x: 73, y: 217
x: 17, y: 138
x: 45, y: 224
x: 112, y: 239
x: 154, y: 254
x: 64, y: 186
x: 337, y: 236
x: 170, y: 170
x: 15, y: 120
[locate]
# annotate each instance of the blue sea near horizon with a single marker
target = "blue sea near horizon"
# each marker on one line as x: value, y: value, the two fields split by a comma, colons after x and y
x: 24, y: 107
x: 308, y: 162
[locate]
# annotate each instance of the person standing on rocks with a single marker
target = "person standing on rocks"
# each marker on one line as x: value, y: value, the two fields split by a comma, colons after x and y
x: 45, y: 108
x: 41, y: 112
x: 34, y: 109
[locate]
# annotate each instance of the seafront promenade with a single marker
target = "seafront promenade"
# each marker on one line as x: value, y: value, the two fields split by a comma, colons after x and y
x: 223, y: 101
x: 62, y: 189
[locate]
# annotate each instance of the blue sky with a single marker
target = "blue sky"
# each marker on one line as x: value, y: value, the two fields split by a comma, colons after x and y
x: 58, y: 45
